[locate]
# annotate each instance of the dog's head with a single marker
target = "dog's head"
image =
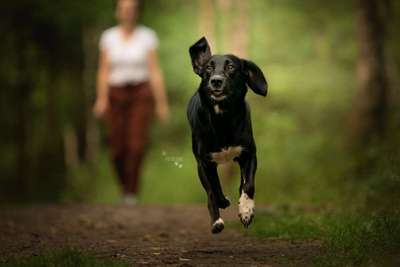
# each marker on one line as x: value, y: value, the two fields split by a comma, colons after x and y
x: 225, y: 76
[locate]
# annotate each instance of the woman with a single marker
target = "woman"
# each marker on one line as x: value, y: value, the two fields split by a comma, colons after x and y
x: 129, y: 88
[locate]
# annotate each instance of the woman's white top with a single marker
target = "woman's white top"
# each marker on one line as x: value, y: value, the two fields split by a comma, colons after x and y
x: 128, y: 57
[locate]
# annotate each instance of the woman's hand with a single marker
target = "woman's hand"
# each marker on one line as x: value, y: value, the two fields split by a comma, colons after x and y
x: 158, y: 88
x: 162, y: 112
x: 100, y: 107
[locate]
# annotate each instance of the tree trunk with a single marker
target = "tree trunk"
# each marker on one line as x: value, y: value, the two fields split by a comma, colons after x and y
x: 240, y: 40
x: 207, y: 21
x: 89, y: 39
x: 23, y: 119
x: 370, y: 103
x: 24, y: 89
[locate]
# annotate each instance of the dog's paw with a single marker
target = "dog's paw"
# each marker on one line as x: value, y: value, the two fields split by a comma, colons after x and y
x: 217, y: 226
x: 224, y: 203
x: 246, y: 209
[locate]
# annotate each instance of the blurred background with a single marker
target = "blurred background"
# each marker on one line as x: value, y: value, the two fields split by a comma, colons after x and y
x: 327, y: 134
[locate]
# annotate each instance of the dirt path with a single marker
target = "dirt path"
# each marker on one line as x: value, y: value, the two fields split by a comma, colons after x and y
x: 144, y: 235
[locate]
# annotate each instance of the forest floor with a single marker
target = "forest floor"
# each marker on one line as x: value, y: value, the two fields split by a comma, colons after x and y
x: 144, y: 235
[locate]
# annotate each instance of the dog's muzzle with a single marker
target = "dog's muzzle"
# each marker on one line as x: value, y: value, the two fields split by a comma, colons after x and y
x: 217, y: 84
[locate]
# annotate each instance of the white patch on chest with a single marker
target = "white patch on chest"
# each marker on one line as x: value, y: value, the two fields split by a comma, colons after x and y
x: 227, y: 154
x: 217, y: 109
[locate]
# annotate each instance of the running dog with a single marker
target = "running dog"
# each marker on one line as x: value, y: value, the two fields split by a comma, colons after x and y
x: 219, y: 117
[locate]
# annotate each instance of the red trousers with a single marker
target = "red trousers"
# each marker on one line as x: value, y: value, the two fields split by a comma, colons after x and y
x: 128, y: 121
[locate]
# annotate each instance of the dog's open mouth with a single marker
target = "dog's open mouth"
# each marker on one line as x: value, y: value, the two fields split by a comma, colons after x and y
x: 218, y: 96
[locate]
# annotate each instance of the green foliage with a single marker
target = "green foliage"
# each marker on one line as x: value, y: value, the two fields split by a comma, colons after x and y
x: 298, y: 127
x: 358, y: 239
x: 307, y: 50
x: 64, y: 258
x: 283, y: 223
x: 92, y: 183
x: 363, y: 240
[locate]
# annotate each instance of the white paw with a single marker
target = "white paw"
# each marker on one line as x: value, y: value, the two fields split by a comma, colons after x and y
x: 246, y: 209
x: 217, y: 226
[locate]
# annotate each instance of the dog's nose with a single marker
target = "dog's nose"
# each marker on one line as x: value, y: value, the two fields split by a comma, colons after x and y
x: 216, y: 82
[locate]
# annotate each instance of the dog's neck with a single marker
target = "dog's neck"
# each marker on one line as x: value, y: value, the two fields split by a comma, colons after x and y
x: 225, y: 109
x: 221, y: 108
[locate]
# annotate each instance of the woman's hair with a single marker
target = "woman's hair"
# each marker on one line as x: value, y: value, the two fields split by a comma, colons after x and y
x: 139, y: 7
x: 139, y: 3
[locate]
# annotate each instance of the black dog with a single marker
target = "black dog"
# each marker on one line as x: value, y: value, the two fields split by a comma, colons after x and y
x: 220, y: 121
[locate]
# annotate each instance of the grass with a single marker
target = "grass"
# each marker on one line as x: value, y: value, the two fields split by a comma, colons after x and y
x: 347, y: 239
x: 358, y: 239
x: 64, y: 258
x: 363, y: 240
x: 285, y: 224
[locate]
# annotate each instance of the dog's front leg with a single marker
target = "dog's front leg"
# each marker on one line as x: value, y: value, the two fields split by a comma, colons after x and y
x: 248, y: 167
x: 207, y: 172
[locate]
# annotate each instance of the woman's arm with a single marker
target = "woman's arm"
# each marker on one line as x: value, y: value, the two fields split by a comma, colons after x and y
x: 101, y: 104
x: 158, y: 87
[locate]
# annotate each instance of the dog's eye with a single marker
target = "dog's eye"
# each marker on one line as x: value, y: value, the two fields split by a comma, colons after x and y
x: 231, y: 67
x: 209, y: 69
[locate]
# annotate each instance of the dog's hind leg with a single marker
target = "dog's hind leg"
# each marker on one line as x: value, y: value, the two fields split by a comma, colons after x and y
x: 248, y: 166
x: 217, y: 223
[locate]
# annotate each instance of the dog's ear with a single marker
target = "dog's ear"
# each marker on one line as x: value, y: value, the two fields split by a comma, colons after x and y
x: 255, y: 78
x: 200, y: 53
